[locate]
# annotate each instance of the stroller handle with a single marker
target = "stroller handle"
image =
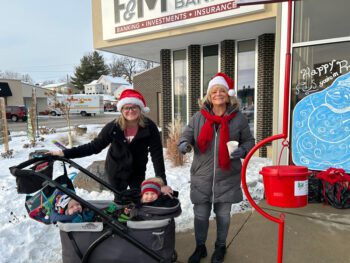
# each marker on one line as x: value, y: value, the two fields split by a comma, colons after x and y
x: 21, y: 173
x: 18, y: 170
x: 121, y: 230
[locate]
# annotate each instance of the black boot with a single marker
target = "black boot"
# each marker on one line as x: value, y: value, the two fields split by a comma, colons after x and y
x: 219, y: 254
x: 174, y: 256
x: 200, y: 252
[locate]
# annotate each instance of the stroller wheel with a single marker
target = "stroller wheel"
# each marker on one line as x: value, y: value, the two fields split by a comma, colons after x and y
x: 174, y: 256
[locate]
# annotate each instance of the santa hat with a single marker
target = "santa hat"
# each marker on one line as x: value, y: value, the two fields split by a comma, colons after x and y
x: 131, y: 96
x: 224, y: 80
x: 150, y: 186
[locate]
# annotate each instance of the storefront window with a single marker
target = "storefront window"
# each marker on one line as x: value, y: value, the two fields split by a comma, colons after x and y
x: 316, y: 67
x: 180, y: 85
x: 320, y: 106
x: 210, y: 64
x: 246, y: 79
x: 315, y: 20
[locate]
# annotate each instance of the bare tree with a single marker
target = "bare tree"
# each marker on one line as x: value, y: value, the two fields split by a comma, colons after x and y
x: 127, y: 67
x: 130, y: 65
x: 146, y: 65
x: 64, y: 105
x: 66, y: 79
x: 18, y: 76
x: 11, y: 75
x: 27, y: 78
x: 47, y: 82
x: 117, y: 67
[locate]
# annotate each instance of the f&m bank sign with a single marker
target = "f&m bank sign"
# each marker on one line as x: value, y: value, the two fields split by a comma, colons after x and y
x: 126, y: 18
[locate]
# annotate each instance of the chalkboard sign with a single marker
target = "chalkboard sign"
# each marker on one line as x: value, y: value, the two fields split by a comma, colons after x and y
x: 321, y: 127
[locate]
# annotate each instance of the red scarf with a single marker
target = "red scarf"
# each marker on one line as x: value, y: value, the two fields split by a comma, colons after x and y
x: 206, y: 136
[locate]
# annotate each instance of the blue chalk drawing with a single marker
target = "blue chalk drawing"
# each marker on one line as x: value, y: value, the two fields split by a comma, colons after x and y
x: 321, y: 128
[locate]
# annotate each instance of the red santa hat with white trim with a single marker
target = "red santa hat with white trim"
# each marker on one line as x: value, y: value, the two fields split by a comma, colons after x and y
x: 131, y: 96
x: 223, y: 80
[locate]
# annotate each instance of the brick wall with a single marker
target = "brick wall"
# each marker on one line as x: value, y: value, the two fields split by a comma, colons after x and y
x: 149, y: 84
x: 227, y: 61
x: 194, y: 78
x: 266, y: 51
x: 166, y: 107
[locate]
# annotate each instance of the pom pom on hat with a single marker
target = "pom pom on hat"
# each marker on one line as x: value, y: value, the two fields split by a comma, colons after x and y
x: 131, y: 96
x: 150, y: 186
x: 224, y: 80
x: 63, y: 201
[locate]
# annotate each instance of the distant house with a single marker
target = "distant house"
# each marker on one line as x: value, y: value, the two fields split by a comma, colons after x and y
x: 18, y: 93
x: 63, y: 88
x: 93, y: 88
x: 106, y: 85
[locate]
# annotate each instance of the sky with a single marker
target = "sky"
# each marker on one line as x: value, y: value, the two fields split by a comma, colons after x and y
x: 45, y: 39
x: 24, y: 240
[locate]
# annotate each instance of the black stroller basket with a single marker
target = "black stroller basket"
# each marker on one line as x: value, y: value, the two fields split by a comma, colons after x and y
x: 116, y: 238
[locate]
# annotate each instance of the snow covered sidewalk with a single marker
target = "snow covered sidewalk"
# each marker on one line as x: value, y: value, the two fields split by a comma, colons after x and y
x: 25, y: 240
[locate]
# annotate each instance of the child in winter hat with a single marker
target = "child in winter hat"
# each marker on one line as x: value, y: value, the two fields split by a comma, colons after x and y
x: 67, y: 209
x: 151, y: 189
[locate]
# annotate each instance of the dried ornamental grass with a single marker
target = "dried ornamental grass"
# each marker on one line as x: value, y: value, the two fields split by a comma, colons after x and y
x: 172, y: 153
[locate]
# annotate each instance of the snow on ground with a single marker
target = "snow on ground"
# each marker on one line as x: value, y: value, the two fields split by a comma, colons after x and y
x: 25, y: 240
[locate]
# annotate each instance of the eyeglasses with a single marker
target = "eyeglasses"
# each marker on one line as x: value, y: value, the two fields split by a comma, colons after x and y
x: 130, y: 108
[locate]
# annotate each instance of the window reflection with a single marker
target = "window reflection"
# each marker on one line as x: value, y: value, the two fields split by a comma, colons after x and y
x: 316, y: 67
x: 246, y: 79
x: 315, y: 20
x: 180, y: 85
x: 210, y: 64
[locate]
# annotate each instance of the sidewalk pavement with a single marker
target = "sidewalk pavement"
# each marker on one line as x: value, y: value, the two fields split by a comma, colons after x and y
x: 316, y: 233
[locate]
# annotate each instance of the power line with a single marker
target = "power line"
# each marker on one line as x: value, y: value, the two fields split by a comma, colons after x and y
x: 47, y: 71
x: 41, y: 66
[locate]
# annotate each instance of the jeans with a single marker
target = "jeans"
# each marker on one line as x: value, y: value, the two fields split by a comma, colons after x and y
x: 201, y: 222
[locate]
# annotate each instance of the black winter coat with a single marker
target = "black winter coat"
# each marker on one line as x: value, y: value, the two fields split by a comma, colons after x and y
x: 125, y: 162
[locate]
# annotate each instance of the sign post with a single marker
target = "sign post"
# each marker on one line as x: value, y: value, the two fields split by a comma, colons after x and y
x: 284, y: 135
x: 4, y: 127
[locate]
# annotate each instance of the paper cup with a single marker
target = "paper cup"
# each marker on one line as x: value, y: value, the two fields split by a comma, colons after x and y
x: 232, y: 146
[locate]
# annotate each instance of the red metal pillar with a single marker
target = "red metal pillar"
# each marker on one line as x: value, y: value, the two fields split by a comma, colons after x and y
x: 284, y: 135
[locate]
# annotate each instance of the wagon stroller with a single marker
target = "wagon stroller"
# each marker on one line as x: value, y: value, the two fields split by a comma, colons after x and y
x: 146, y: 241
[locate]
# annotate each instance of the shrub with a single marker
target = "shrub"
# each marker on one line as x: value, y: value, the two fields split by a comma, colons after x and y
x: 172, y: 153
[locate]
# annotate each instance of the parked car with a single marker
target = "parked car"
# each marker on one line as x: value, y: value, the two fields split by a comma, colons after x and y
x: 16, y: 113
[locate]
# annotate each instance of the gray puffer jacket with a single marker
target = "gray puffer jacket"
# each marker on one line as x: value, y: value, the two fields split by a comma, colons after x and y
x: 209, y: 183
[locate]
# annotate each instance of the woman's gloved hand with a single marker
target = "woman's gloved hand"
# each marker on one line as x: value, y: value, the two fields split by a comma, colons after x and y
x: 238, y: 153
x: 185, y: 147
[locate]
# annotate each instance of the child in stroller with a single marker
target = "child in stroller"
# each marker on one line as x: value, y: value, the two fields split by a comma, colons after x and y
x: 67, y: 209
x: 150, y: 221
x: 151, y: 239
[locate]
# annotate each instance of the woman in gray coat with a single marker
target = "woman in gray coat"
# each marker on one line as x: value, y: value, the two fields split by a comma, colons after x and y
x: 215, y: 173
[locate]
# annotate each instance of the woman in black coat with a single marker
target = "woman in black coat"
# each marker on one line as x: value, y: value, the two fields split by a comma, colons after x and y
x: 131, y: 137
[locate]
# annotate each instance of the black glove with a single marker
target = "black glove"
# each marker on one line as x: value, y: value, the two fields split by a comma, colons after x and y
x: 185, y: 147
x: 238, y: 153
